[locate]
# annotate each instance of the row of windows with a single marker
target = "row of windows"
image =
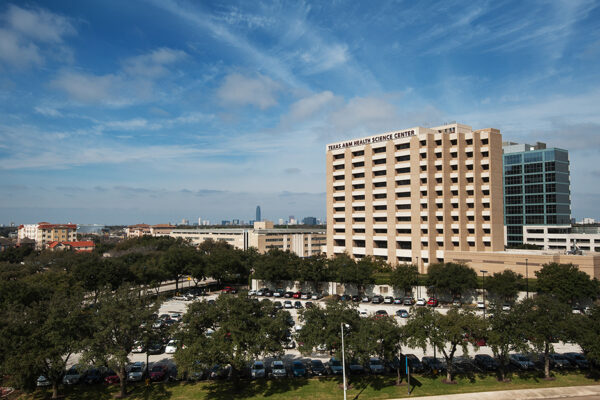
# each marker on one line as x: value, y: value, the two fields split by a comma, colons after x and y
x: 536, y: 188
x: 536, y: 156
x: 537, y: 219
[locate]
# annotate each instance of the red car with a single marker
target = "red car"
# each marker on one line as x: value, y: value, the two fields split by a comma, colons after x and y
x: 158, y: 372
x: 297, y: 295
x: 112, y: 378
x: 432, y: 302
x: 227, y: 289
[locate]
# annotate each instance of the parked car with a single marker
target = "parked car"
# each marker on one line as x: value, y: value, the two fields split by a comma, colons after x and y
x: 72, y: 376
x: 297, y: 295
x: 92, y: 376
x: 278, y: 369
x: 298, y: 305
x: 288, y: 295
x: 171, y: 347
x: 136, y: 372
x: 433, y: 364
x: 277, y: 304
x: 381, y: 314
x: 432, y: 302
x: 578, y: 360
x: 305, y: 296
x: 261, y: 292
x: 155, y: 348
x: 42, y: 381
x: 287, y: 304
x: 356, y: 298
x: 356, y: 367
x: 414, y: 363
x: 486, y: 362
x: 402, y: 313
x: 398, y: 300
x: 158, y: 372
x: 298, y: 369
x: 268, y: 293
x: 345, y: 297
x: 376, y: 366
x: 377, y: 300
x: 316, y: 296
x: 251, y: 292
x: 463, y: 364
x: 258, y: 370
x: 408, y: 301
x: 219, y: 371
x: 421, y: 302
x: 521, y: 361
x: 227, y: 290
x: 480, y: 305
x: 278, y: 293
x: 317, y: 368
x: 388, y: 300
x: 559, y: 361
x: 506, y: 307
x: 309, y: 304
x: 111, y: 377
x: 363, y: 313
x: 366, y: 299
x: 456, y: 303
x: 335, y: 366
x: 175, y: 316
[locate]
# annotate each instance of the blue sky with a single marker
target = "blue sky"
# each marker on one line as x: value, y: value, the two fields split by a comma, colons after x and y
x: 153, y: 111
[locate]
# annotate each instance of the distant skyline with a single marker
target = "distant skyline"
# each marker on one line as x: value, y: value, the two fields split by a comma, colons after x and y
x: 117, y: 112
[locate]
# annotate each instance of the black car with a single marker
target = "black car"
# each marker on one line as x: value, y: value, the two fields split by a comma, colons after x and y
x: 156, y: 348
x: 288, y: 295
x: 278, y: 305
x: 298, y: 305
x: 486, y: 362
x: 345, y: 297
x: 356, y: 298
x: 578, y: 360
x: 309, y: 304
x: 356, y: 368
x: 93, y: 375
x: 414, y: 363
x: 377, y: 300
x: 317, y: 368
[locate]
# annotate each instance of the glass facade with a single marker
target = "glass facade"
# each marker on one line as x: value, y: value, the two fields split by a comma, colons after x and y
x: 536, y: 190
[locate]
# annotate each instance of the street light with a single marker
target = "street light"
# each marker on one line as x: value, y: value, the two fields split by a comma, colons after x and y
x: 483, y: 272
x: 418, y: 286
x: 527, y: 277
x: 343, y: 359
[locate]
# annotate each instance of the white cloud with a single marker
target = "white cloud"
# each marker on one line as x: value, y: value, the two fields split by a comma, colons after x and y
x: 153, y: 64
x: 241, y: 91
x: 88, y: 88
x: 365, y: 114
x: 131, y: 124
x: 16, y: 53
x: 38, y: 24
x: 308, y: 106
x: 47, y: 111
x: 324, y: 57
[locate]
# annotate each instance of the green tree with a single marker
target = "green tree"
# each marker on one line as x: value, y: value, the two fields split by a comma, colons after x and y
x: 344, y: 269
x: 504, y: 286
x: 277, y: 265
x: 178, y: 261
x: 547, y: 320
x: 567, y: 283
x: 119, y: 322
x: 40, y: 337
x: 452, y: 278
x: 322, y: 326
x: 506, y: 334
x: 446, y: 332
x: 585, y: 330
x: 313, y: 269
x: 234, y: 330
x: 223, y: 262
x: 404, y: 277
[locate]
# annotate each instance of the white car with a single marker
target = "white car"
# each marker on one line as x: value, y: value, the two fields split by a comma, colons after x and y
x: 72, y: 376
x: 421, y: 302
x: 288, y: 304
x: 506, y: 307
x: 480, y: 305
x: 176, y: 316
x: 252, y: 292
x: 42, y: 381
x: 297, y: 328
x: 138, y: 347
x: 171, y: 346
x: 363, y: 313
x: 180, y: 298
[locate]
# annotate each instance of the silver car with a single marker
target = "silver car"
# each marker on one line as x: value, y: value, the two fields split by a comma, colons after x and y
x: 136, y: 372
x: 72, y: 376
x: 521, y: 361
x: 258, y: 370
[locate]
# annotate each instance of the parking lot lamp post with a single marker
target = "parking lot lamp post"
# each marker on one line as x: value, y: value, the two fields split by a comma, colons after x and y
x: 418, y: 286
x: 343, y: 360
x: 483, y: 271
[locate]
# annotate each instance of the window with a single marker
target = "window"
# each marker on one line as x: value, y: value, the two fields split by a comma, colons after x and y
x: 512, y: 159
x: 534, y: 189
x: 512, y: 180
x: 379, y: 150
x: 533, y: 168
x: 512, y: 169
x: 550, y: 166
x: 533, y: 157
x: 358, y: 153
x: 514, y: 210
x: 534, y: 178
x: 379, y: 161
x: 403, y: 158
x: 403, y: 182
x: 514, y: 199
x: 358, y: 186
x: 404, y: 170
x: 535, y: 219
x: 514, y: 190
x: 358, y: 175
x: 534, y: 198
x: 402, y: 146
x: 338, y: 156
x: 358, y: 164
x: 514, y: 220
x: 379, y: 184
x: 537, y: 209
x: 550, y: 177
x: 338, y: 167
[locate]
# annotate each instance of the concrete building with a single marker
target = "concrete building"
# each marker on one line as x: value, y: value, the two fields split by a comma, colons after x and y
x: 524, y: 262
x: 412, y: 195
x: 536, y: 188
x: 564, y: 238
x: 137, y: 230
x: 161, y: 229
x: 44, y: 233
x: 86, y: 246
x: 303, y: 242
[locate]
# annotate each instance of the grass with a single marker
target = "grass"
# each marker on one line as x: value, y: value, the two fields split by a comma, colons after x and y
x: 366, y: 387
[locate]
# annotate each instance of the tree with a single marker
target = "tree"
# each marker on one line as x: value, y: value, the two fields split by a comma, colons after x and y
x: 223, y: 262
x: 322, y: 326
x: 567, y: 283
x: 344, y: 269
x: 277, y: 265
x: 547, y: 320
x: 507, y: 334
x: 42, y: 335
x: 148, y: 271
x: 455, y: 279
x: 444, y: 331
x: 404, y: 277
x: 234, y: 330
x: 178, y: 261
x: 313, y: 269
x: 119, y: 322
x: 586, y: 333
x: 504, y: 285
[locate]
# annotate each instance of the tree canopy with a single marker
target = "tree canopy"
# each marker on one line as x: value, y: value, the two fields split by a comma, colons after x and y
x: 452, y: 278
x: 567, y: 283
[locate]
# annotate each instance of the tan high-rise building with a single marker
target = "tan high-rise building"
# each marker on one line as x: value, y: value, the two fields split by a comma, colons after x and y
x: 406, y: 196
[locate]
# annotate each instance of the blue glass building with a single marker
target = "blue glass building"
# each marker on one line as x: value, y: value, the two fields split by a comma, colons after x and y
x: 536, y: 188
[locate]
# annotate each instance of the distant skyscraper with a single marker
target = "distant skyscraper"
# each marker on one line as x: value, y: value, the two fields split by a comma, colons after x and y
x: 258, y: 216
x: 309, y: 221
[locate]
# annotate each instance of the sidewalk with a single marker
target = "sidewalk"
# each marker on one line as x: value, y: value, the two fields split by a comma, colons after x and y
x: 523, y: 394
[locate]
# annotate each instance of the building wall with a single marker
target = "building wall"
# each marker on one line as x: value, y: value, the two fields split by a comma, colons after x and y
x: 524, y: 262
x: 536, y: 189
x: 408, y: 197
x: 562, y: 238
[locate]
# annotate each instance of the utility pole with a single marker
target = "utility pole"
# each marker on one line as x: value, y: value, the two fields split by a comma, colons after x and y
x: 343, y: 359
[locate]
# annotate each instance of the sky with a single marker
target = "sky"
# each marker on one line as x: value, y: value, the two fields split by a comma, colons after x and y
x: 122, y: 112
